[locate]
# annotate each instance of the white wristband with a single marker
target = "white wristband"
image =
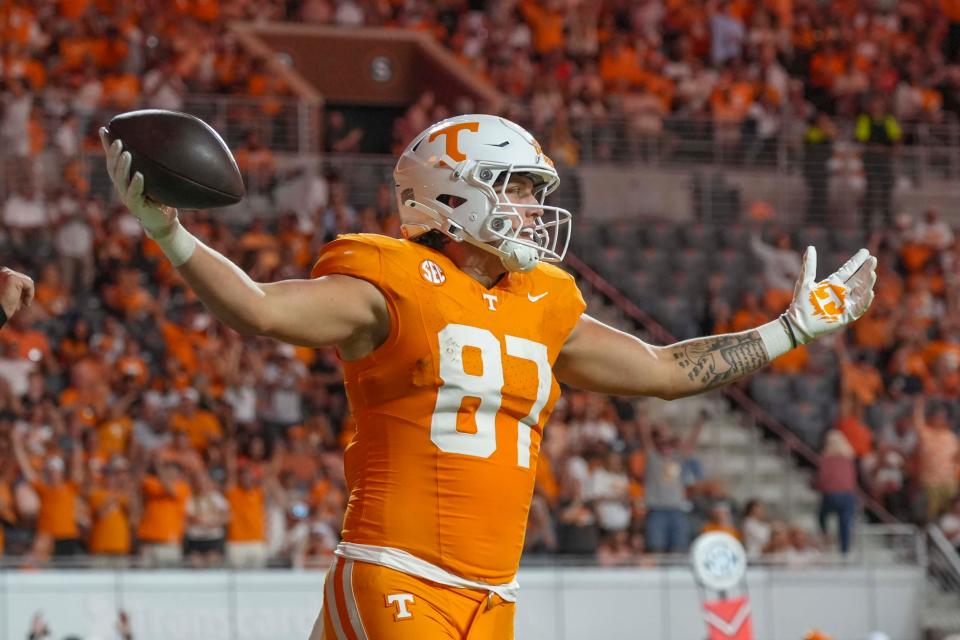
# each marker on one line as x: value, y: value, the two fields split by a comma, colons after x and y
x: 177, y: 244
x: 775, y: 338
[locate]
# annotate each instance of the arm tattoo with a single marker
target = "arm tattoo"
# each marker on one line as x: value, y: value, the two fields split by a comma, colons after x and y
x: 717, y: 360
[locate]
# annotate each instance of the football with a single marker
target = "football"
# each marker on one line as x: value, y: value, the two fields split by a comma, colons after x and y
x: 184, y: 161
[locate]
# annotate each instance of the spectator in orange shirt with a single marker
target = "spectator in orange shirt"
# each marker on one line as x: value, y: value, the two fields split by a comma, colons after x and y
x: 59, y: 494
x: 297, y: 459
x: 7, y: 513
x: 875, y: 330
x: 114, y: 432
x: 165, y: 495
x: 750, y: 313
x: 199, y: 424
x: 546, y: 19
x: 51, y: 294
x: 851, y: 425
x: 246, y: 531
x: 110, y: 504
x: 860, y: 382
x: 182, y: 452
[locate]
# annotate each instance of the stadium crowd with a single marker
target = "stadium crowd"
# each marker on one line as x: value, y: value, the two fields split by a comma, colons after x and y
x: 597, y: 72
x: 132, y: 423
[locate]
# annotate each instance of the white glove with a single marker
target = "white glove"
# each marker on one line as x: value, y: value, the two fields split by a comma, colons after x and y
x: 819, y: 308
x: 158, y: 221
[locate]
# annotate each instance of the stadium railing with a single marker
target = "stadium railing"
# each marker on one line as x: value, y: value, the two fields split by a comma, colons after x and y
x: 697, y: 140
x: 944, y: 561
x: 904, y: 545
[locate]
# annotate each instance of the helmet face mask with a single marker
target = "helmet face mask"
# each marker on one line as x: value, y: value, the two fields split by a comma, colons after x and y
x: 454, y: 178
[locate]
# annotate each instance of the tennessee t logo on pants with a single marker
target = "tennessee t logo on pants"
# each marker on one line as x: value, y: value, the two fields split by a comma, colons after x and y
x: 400, y: 601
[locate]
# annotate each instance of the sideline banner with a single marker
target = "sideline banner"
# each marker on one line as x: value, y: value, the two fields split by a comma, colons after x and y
x: 719, y: 566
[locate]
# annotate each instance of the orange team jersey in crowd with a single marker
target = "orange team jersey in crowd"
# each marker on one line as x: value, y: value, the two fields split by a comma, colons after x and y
x: 110, y: 532
x: 247, y: 523
x: 450, y: 408
x: 58, y: 510
x: 7, y: 514
x: 164, y: 515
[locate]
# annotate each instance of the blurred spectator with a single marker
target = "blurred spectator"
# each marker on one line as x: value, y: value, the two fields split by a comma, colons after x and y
x: 338, y: 137
x: 111, y: 502
x: 667, y: 523
x: 721, y: 519
x: 200, y: 425
x: 818, y: 149
x: 207, y: 515
x: 883, y: 472
x: 880, y: 132
x: 577, y: 530
x: 756, y: 530
x: 58, y: 531
x: 938, y: 457
x: 615, y: 550
x: 607, y: 487
x: 165, y: 496
x: 727, y: 32
x: 256, y: 162
x: 246, y: 530
x: 781, y: 263
x: 803, y: 547
x: 837, y: 482
x: 24, y: 211
x: 932, y: 231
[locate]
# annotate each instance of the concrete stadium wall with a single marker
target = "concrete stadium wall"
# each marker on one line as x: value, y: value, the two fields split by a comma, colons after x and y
x: 555, y: 603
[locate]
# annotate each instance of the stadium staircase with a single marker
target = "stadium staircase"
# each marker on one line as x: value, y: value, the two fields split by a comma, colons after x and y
x: 941, y: 608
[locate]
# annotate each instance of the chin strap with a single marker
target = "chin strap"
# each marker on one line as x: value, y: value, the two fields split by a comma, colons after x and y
x: 518, y: 257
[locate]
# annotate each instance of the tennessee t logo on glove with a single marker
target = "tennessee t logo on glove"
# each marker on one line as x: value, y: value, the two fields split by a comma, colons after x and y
x: 828, y: 301
x: 819, y: 308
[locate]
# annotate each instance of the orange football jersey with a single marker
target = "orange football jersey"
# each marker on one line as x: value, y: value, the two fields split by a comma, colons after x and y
x: 450, y: 408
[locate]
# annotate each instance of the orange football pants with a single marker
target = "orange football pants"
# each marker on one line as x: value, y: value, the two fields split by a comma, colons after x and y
x: 363, y: 601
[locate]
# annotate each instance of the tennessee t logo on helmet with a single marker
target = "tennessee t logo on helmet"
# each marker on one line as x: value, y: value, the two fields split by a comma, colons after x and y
x: 452, y: 134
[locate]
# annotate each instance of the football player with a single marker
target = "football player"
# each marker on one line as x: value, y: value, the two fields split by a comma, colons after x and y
x: 453, y: 341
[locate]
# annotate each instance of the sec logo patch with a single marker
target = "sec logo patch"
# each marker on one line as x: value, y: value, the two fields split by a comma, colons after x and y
x: 432, y: 273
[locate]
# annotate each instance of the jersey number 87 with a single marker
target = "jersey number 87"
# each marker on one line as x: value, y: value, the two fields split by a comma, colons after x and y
x: 487, y: 386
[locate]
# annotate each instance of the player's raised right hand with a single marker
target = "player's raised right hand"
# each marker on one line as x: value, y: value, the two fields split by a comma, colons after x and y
x: 819, y: 308
x: 157, y: 220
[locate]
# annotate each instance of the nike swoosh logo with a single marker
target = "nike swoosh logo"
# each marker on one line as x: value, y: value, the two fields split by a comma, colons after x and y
x: 535, y: 298
x: 501, y: 145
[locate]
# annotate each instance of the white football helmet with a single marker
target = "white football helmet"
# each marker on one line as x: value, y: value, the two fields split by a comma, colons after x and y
x: 453, y: 178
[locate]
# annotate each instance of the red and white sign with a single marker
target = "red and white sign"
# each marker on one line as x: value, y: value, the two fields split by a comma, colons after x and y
x: 728, y: 619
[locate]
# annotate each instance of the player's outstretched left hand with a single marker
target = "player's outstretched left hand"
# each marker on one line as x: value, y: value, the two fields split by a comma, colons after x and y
x: 819, y: 308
